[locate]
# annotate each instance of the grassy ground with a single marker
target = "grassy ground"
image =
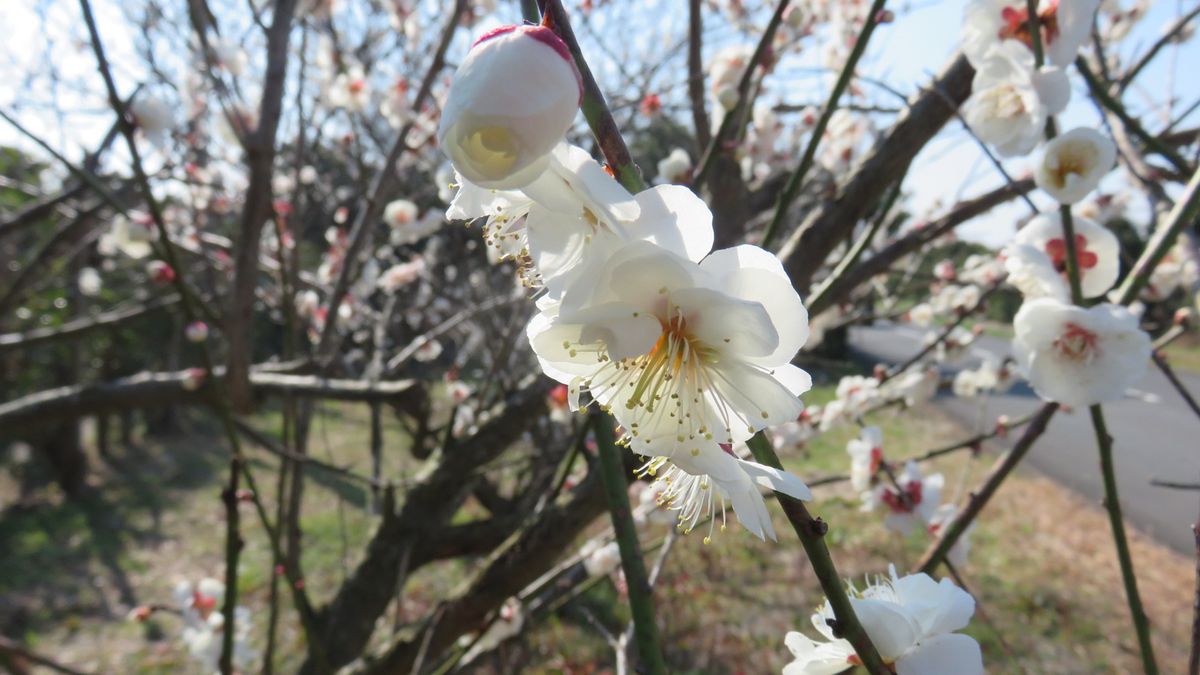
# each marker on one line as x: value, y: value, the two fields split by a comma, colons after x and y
x: 1041, y: 566
x: 1184, y: 353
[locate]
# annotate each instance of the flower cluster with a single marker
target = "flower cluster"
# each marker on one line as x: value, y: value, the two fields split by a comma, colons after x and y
x: 689, y: 349
x: 1073, y: 355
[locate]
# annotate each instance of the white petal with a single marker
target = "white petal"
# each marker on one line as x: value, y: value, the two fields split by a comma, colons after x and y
x: 952, y: 654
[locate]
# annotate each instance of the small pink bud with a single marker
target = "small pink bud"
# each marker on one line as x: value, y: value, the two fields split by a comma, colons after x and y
x: 196, y: 331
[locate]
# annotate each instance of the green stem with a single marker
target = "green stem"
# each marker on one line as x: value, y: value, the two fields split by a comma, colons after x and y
x: 1185, y: 212
x: 1112, y: 505
x: 792, y: 189
x: 595, y: 110
x: 811, y: 532
x: 1101, y: 93
x: 641, y: 597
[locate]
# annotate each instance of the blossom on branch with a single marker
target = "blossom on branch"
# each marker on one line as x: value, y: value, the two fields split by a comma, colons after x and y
x: 1077, y: 356
x: 911, y: 621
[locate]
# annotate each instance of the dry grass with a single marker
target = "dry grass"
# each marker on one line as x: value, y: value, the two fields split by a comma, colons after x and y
x: 1042, y: 566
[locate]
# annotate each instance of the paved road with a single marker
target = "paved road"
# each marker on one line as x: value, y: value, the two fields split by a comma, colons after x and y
x: 1157, y: 436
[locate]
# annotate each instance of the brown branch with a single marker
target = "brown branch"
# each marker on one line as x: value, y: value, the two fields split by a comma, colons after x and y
x: 348, y: 621
x: 955, y: 528
x: 259, y: 147
x: 928, y: 112
x: 81, y: 326
x: 696, y: 72
x: 916, y: 240
x: 521, y: 561
x: 147, y: 390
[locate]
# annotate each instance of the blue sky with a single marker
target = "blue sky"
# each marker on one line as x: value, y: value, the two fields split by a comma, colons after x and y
x: 904, y: 54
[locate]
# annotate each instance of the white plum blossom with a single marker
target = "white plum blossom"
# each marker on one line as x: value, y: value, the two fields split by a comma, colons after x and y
x: 1065, y: 25
x: 911, y: 501
x: 674, y: 168
x: 600, y: 560
x: 1073, y: 163
x: 955, y: 347
x: 1010, y: 100
x: 403, y: 274
x: 921, y: 314
x: 911, y: 621
x: 201, y: 606
x: 153, y: 116
x: 130, y: 236
x: 943, y: 516
x: 89, y: 282
x: 417, y: 229
x: 915, y: 386
x: 866, y: 456
x: 228, y: 55
x: 1096, y: 248
x: 350, y: 90
x: 1077, y: 356
x: 498, y: 130
x: 990, y: 377
x: 686, y: 356
x: 400, y: 212
x: 567, y: 223
x: 686, y: 482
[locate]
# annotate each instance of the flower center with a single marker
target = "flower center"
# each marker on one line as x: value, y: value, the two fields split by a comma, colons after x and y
x: 906, y: 501
x: 1016, y: 24
x: 1077, y: 342
x: 492, y: 149
x: 1057, y: 250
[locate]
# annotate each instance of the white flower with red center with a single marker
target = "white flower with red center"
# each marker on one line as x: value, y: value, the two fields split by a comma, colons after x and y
x: 1064, y: 25
x: 511, y: 102
x: 400, y: 213
x: 955, y: 347
x: 1010, y: 100
x: 1096, y: 248
x: 983, y: 270
x: 911, y: 621
x: 350, y: 89
x: 1073, y: 163
x: 1077, y: 356
x: 910, y: 500
x: 791, y: 435
x: 856, y: 394
x: 866, y: 456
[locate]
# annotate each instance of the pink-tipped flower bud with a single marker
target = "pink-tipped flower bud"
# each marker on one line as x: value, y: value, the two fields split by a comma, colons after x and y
x: 511, y: 102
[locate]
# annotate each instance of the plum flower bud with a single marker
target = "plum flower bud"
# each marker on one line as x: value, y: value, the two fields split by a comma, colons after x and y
x: 141, y: 613
x: 89, y: 281
x: 160, y: 272
x: 511, y: 101
x: 1073, y: 164
x: 400, y: 212
x: 196, y: 331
